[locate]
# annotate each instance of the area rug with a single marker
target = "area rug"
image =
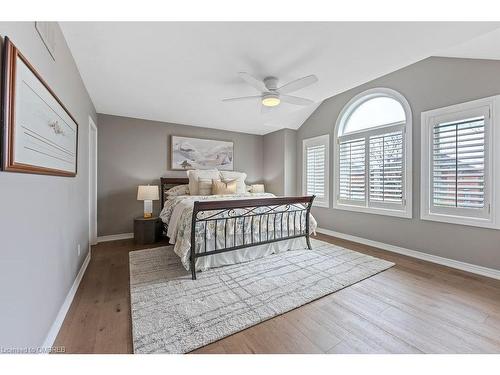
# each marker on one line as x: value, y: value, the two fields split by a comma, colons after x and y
x: 173, y: 314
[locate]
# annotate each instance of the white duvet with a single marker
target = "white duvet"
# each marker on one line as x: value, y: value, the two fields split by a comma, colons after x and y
x: 177, y: 214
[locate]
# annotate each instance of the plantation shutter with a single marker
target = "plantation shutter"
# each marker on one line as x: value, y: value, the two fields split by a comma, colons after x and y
x: 352, y: 170
x: 386, y: 168
x: 458, y: 164
x: 315, y: 167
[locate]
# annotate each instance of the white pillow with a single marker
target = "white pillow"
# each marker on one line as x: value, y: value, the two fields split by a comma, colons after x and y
x: 178, y: 190
x: 239, y: 176
x: 195, y: 174
x: 204, y: 186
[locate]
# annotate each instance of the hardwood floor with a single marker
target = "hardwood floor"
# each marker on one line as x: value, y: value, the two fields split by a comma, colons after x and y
x: 414, y: 307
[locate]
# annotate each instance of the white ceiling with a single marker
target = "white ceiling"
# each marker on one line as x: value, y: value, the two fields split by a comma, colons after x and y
x: 486, y: 46
x: 179, y: 72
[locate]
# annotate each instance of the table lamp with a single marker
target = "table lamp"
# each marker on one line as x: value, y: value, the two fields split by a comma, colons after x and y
x: 148, y: 194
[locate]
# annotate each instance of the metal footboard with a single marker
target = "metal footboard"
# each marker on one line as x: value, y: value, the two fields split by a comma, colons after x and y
x: 222, y: 226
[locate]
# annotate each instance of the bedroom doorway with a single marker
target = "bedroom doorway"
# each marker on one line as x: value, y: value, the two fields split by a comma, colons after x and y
x: 92, y: 182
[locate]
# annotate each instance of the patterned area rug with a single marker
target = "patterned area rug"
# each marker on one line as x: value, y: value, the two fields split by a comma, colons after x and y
x: 173, y: 314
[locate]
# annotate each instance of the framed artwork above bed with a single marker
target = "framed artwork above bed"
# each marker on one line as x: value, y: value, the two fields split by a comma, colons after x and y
x: 197, y: 153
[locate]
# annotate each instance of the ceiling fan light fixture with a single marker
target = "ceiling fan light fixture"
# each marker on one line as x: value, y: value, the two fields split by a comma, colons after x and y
x: 271, y: 100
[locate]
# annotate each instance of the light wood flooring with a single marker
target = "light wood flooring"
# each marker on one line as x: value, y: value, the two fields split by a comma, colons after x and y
x: 414, y: 307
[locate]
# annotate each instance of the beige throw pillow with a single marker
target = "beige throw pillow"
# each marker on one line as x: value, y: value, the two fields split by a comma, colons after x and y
x: 195, y: 174
x: 220, y: 187
x: 204, y: 186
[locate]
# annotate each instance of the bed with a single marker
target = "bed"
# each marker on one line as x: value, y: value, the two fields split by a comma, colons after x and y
x: 210, y: 231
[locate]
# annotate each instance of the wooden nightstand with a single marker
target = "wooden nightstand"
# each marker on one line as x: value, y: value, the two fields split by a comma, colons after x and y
x: 147, y: 231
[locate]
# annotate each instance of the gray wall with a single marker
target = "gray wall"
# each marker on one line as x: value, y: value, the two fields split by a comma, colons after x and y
x: 290, y: 162
x: 132, y: 152
x: 431, y: 83
x: 274, y: 168
x: 43, y: 218
x: 280, y: 158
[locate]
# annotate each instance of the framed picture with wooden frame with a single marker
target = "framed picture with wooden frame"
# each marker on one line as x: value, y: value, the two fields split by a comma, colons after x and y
x: 38, y: 133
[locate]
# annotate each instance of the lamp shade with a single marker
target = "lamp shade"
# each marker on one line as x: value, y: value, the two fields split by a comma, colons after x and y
x: 149, y: 192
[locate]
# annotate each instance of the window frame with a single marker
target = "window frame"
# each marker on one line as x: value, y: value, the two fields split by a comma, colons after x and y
x: 365, y: 206
x: 489, y: 108
x: 315, y: 141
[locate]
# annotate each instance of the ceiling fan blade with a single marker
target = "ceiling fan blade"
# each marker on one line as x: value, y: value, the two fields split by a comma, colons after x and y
x: 295, y: 100
x: 254, y: 82
x: 298, y: 84
x: 242, y: 98
x: 266, y: 110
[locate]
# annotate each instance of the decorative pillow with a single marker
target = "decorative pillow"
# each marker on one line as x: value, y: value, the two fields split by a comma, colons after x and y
x: 257, y: 188
x: 221, y: 187
x: 238, y: 176
x: 178, y: 190
x: 195, y: 174
x: 204, y: 186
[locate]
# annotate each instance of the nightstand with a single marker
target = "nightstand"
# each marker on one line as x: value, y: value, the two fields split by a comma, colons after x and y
x: 147, y: 231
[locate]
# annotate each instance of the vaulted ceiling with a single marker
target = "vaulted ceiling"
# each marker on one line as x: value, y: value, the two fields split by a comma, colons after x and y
x: 179, y: 71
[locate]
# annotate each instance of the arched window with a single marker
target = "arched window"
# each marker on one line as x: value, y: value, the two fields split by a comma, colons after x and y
x: 372, y: 160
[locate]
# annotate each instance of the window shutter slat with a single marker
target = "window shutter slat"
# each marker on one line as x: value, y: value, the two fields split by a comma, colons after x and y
x: 458, y: 162
x: 315, y: 170
x: 386, y: 167
x: 352, y: 170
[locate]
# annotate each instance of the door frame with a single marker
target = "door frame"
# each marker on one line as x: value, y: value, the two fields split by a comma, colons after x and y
x: 92, y: 183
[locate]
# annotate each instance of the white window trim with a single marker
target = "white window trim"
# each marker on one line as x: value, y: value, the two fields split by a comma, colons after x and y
x: 491, y: 170
x: 320, y: 140
x: 341, y: 122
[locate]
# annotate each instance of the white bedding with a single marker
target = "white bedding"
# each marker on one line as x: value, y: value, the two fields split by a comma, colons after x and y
x: 177, y: 214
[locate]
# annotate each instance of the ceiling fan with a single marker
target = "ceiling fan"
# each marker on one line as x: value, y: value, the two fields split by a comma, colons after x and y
x: 272, y: 94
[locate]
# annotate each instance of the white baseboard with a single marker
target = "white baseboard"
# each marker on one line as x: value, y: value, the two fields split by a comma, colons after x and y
x: 115, y: 237
x: 468, y: 267
x: 56, y: 326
